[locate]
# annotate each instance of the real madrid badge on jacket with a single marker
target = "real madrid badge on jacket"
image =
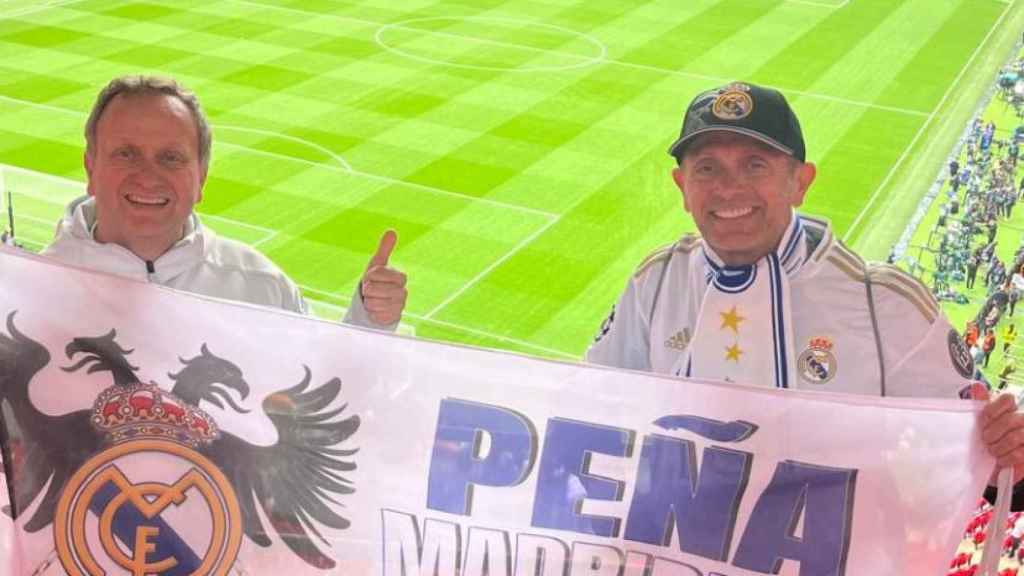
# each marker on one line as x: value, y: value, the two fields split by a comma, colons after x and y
x: 817, y: 364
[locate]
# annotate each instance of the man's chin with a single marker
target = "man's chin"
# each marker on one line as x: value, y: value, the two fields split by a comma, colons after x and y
x: 737, y: 251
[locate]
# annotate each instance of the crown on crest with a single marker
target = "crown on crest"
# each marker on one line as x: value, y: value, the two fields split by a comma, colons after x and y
x: 145, y: 411
x: 820, y: 343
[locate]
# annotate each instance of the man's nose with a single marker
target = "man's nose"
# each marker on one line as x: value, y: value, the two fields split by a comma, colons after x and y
x: 728, y: 183
x: 148, y: 173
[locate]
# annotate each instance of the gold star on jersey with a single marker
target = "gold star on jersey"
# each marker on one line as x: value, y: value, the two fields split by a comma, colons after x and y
x: 731, y: 320
x: 743, y: 331
x: 733, y: 353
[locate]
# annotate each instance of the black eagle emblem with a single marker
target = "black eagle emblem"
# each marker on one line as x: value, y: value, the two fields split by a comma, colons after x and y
x: 297, y: 482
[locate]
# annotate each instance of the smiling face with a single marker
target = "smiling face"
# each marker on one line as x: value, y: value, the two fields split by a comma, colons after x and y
x: 741, y: 193
x: 144, y: 172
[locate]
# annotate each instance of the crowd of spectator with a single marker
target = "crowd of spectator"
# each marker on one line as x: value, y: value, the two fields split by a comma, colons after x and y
x: 965, y: 563
x: 982, y: 190
x: 981, y: 193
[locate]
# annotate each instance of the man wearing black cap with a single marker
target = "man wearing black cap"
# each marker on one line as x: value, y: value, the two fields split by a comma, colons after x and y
x: 768, y: 297
x: 764, y: 295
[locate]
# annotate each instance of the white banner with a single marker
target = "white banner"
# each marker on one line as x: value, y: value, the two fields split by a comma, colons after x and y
x: 10, y: 563
x: 156, y: 432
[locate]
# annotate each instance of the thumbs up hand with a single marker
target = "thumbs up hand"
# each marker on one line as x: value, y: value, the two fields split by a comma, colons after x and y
x: 382, y: 287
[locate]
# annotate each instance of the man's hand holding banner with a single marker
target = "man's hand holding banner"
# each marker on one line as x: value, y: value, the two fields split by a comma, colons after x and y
x: 159, y: 432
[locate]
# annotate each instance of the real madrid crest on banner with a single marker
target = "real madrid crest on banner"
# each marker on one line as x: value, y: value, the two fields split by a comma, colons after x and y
x: 146, y: 482
x: 817, y: 364
x: 159, y: 432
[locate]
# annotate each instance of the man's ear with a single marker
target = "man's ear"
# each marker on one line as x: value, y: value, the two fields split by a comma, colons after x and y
x: 202, y: 183
x: 677, y: 176
x: 805, y: 173
x: 87, y: 161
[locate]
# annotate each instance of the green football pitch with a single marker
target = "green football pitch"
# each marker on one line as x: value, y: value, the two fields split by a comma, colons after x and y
x: 517, y: 146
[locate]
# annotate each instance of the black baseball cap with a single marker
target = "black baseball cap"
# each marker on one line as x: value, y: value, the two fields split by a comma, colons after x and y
x: 743, y: 108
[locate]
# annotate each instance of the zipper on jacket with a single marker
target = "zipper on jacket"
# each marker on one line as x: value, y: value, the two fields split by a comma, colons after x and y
x: 150, y: 267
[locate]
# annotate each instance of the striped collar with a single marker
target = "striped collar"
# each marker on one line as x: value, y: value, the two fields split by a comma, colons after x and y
x: 791, y: 254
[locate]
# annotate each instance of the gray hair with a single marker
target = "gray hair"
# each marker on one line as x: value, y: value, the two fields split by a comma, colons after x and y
x: 139, y: 85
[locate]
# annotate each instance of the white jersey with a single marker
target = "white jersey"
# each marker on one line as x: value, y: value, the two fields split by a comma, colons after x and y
x: 200, y: 263
x: 903, y: 347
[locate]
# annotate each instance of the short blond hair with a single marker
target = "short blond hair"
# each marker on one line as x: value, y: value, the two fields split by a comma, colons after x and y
x: 140, y: 85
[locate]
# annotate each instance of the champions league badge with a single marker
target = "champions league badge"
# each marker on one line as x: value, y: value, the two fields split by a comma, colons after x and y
x: 145, y: 482
x: 817, y: 364
x: 734, y: 103
x: 960, y: 356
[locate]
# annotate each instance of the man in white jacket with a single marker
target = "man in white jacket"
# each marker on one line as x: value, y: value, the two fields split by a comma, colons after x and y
x: 768, y: 297
x: 147, y: 154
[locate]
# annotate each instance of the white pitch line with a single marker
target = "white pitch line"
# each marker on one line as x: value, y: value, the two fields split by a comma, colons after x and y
x: 263, y: 229
x: 584, y: 60
x: 820, y: 4
x: 815, y: 95
x: 486, y: 334
x: 325, y: 293
x: 343, y: 169
x: 456, y: 326
x: 716, y: 79
x: 34, y: 9
x: 261, y: 241
x: 66, y: 182
x: 906, y: 152
x: 440, y: 191
x: 341, y: 161
x: 404, y: 25
x: 43, y: 175
x: 36, y: 219
x: 41, y: 105
x: 269, y: 233
x: 472, y: 282
x: 27, y: 242
x: 3, y: 190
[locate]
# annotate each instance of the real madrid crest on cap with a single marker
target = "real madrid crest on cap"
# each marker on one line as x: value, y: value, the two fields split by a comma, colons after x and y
x: 817, y: 364
x: 742, y: 108
x: 733, y: 103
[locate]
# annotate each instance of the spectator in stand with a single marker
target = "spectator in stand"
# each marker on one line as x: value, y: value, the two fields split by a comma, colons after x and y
x: 1004, y: 375
x: 1015, y: 523
x: 995, y: 274
x: 972, y: 269
x: 992, y: 313
x: 971, y: 334
x: 988, y: 345
x: 1009, y: 335
x: 988, y: 253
